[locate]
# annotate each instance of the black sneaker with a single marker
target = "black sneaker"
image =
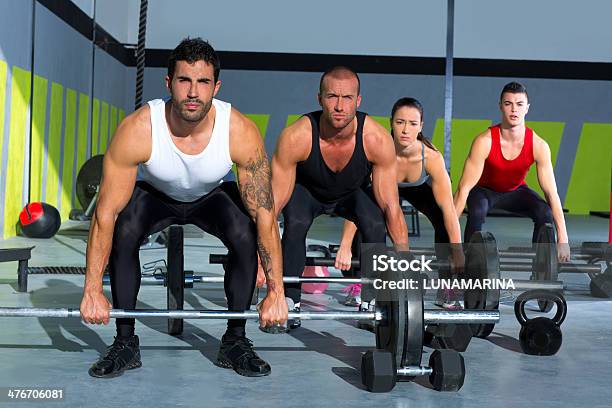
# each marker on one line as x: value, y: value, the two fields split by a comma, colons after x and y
x: 123, y: 354
x: 239, y: 355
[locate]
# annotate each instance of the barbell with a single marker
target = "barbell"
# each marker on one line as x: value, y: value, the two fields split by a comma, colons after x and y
x: 429, y: 316
x: 399, y: 321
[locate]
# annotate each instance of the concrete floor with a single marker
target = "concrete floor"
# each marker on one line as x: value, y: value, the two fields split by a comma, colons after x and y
x: 314, y: 366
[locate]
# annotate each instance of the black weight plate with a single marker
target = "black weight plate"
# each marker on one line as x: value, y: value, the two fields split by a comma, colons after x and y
x: 88, y: 179
x: 482, y: 262
x: 401, y: 333
x: 545, y: 264
x: 601, y: 285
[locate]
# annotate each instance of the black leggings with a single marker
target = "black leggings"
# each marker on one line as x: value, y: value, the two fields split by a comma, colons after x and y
x: 220, y: 213
x: 422, y: 198
x: 301, y: 210
x: 523, y: 201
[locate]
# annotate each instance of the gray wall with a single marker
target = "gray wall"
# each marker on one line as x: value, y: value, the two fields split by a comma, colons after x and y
x: 118, y: 17
x: 562, y: 30
x: 558, y: 30
x: 316, y: 26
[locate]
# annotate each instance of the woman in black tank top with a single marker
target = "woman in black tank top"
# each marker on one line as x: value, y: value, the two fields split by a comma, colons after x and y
x: 423, y: 182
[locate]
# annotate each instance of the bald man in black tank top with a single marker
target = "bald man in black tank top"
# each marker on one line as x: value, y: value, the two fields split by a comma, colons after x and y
x: 323, y: 164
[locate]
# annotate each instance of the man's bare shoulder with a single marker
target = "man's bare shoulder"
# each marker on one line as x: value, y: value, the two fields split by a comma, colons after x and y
x: 484, y: 136
x: 482, y: 140
x: 301, y: 129
x: 139, y: 121
x: 541, y: 149
x: 295, y: 140
x: 243, y: 127
x: 538, y: 140
x: 132, y: 140
x: 245, y: 141
x: 374, y: 130
x: 377, y: 141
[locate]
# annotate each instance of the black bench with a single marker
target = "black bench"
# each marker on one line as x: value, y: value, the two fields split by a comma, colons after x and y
x: 21, y: 255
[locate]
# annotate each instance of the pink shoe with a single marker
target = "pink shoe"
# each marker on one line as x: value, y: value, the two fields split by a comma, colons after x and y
x: 353, y: 295
x: 449, y: 300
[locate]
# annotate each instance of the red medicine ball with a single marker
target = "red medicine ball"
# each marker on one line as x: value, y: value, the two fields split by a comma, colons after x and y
x: 39, y: 220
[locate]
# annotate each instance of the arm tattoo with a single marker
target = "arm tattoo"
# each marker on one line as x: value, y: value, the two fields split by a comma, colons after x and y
x: 256, y: 189
x: 256, y: 192
x: 266, y: 263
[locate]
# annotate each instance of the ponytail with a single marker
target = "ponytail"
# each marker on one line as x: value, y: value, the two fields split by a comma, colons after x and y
x: 426, y: 141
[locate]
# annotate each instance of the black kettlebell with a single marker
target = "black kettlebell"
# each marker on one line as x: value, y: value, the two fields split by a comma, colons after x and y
x: 540, y: 336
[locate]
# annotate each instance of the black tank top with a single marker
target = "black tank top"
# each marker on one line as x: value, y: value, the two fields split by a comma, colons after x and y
x: 325, y: 185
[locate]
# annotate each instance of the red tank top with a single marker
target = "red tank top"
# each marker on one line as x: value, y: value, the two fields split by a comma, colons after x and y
x: 500, y: 174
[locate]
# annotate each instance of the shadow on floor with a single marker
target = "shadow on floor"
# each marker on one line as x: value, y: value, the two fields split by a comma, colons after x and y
x: 505, y: 342
x: 62, y: 293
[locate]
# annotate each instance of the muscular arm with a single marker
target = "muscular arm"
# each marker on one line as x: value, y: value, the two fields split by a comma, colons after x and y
x: 254, y: 182
x: 472, y: 170
x: 546, y: 178
x: 380, y: 151
x: 130, y: 146
x: 291, y: 148
x: 443, y: 195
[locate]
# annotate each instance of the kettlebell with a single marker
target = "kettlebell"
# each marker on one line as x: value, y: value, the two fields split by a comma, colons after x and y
x: 540, y: 336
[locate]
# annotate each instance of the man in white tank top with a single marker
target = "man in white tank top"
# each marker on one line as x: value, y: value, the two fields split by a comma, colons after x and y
x: 165, y: 166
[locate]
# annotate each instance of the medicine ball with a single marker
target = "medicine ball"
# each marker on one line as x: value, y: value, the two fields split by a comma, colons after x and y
x: 39, y: 220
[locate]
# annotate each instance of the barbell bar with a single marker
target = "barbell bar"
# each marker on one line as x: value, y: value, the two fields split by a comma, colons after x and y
x: 511, y: 252
x: 159, y: 279
x: 563, y: 267
x: 429, y: 316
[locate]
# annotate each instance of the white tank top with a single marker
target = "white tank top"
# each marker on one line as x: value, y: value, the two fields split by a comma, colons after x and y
x: 186, y: 177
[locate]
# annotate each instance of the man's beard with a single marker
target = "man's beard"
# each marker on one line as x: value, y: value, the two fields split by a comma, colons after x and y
x: 339, y: 126
x: 191, y: 116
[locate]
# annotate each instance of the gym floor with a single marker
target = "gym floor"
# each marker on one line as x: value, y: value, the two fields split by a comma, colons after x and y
x: 316, y: 365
